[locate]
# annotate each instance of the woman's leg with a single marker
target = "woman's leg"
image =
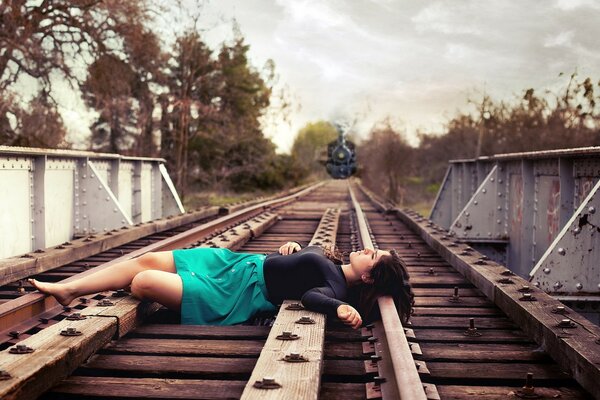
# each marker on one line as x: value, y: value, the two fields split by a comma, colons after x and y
x: 117, y: 276
x: 163, y: 287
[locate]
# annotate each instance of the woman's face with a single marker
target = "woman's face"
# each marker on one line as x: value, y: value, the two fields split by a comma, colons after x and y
x: 363, y: 261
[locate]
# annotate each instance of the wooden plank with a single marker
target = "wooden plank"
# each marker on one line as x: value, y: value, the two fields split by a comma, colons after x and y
x: 461, y: 392
x: 444, y: 302
x: 457, y: 335
x: 54, y: 358
x: 149, y: 388
x: 195, y: 347
x: 458, y: 311
x: 214, y: 367
x: 446, y: 292
x: 201, y: 331
x: 470, y: 352
x: 298, y: 380
x: 460, y: 322
x: 464, y: 372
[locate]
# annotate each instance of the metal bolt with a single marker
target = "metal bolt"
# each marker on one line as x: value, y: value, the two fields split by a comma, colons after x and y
x: 76, y: 317
x: 267, y: 383
x: 305, y: 320
x: 295, y: 358
x: 431, y: 271
x: 4, y: 375
x: 525, y: 289
x: 579, y: 286
x: 592, y: 210
x: 119, y: 293
x: 557, y: 285
x: 475, y: 202
x: 20, y: 349
x: 70, y: 332
x: 566, y: 323
x: 528, y: 390
x: 295, y: 307
x: 484, y: 190
x: 561, y: 251
x: 546, y: 271
x: 455, y: 297
x: 577, y: 230
x: 527, y: 297
x: 105, y: 303
x: 471, y: 331
x: 505, y: 281
x: 559, y: 310
x: 287, y: 335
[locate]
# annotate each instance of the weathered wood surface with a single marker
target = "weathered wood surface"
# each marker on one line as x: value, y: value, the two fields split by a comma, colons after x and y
x: 185, y: 389
x: 297, y: 380
x: 461, y: 322
x: 472, y: 352
x: 54, y: 356
x: 201, y: 332
x: 457, y: 335
x: 575, y: 350
x: 214, y: 367
x: 458, y: 311
x: 432, y: 301
x: 460, y: 392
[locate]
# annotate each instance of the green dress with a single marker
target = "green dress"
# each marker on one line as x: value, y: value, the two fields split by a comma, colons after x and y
x: 221, y: 287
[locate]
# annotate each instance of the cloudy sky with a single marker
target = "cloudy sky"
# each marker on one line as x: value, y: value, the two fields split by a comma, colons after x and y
x: 414, y: 61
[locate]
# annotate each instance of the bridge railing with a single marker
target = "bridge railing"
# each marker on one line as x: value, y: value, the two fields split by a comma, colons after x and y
x: 48, y: 197
x: 534, y: 212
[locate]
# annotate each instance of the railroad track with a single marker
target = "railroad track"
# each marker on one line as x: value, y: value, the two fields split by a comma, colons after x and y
x: 449, y: 357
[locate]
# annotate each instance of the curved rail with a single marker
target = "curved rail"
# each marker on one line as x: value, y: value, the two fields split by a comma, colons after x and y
x: 408, y: 382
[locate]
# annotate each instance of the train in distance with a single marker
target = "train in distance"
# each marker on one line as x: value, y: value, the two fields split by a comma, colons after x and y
x: 341, y: 158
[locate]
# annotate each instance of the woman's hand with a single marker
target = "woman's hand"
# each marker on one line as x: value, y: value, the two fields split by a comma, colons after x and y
x: 289, y: 248
x: 349, y: 316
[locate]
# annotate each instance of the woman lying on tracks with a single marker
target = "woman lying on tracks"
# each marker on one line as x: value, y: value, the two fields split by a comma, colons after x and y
x: 215, y: 286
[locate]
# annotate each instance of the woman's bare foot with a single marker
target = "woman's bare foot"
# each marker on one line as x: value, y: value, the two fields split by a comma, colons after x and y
x: 58, y: 290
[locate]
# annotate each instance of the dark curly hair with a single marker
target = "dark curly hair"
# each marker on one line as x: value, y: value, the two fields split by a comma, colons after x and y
x: 390, y: 278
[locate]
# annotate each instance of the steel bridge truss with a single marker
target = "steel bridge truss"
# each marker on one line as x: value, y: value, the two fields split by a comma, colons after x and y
x: 536, y: 213
x: 68, y: 194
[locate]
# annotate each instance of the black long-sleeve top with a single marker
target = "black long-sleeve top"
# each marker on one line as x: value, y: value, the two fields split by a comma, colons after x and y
x: 306, y: 275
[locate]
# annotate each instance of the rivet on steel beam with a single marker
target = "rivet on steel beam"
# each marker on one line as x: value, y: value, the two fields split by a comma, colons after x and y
x: 295, y: 358
x: 267, y: 383
x: 305, y: 320
x: 20, y: 349
x: 546, y: 271
x: 579, y: 286
x: 566, y: 323
x: 557, y: 285
x: 455, y: 297
x: 471, y: 330
x: 561, y: 251
x: 592, y: 210
x: 70, y: 332
x: 577, y: 230
x: 287, y: 335
x: 4, y: 376
x: 295, y: 307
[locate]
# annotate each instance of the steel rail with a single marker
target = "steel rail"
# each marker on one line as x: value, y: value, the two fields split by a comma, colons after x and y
x: 34, y: 304
x: 405, y: 372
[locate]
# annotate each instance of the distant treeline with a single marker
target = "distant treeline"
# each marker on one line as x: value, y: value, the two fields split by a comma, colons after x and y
x: 197, y: 107
x: 410, y: 176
